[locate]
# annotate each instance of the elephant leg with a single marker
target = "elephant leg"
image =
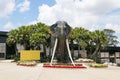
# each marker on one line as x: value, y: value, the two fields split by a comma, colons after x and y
x: 53, y: 54
x: 69, y: 52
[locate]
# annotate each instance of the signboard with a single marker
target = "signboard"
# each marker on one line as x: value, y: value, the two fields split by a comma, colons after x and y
x: 26, y: 55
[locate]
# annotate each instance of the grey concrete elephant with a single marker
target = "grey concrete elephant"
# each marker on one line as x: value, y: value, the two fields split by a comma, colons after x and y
x: 60, y: 31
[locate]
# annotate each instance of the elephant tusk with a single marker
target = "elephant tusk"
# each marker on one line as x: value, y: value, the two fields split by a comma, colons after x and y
x: 56, y: 41
x: 69, y: 52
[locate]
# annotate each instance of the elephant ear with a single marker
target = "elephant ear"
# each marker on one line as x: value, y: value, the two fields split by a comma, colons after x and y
x: 68, y: 28
x: 52, y: 29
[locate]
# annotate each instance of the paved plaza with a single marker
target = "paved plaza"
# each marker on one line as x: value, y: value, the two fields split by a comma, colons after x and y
x: 10, y: 71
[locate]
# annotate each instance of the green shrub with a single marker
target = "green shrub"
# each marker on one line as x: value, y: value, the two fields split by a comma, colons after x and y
x: 45, y: 59
x: 98, y: 65
x: 15, y: 57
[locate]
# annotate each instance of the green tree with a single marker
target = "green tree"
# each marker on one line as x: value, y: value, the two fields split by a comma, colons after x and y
x: 99, y: 40
x: 41, y: 36
x: 13, y: 39
x: 83, y: 39
x: 112, y: 39
x: 81, y: 36
x: 24, y: 33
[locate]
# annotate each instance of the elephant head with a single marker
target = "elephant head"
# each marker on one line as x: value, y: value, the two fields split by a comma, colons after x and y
x: 60, y: 29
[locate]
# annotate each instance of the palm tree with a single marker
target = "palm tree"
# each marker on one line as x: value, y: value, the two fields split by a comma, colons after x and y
x: 100, y: 40
x: 41, y: 36
x: 81, y: 36
x: 24, y: 33
x: 36, y: 39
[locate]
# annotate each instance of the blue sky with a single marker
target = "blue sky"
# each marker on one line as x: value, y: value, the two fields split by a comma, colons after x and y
x: 90, y: 14
x: 15, y: 17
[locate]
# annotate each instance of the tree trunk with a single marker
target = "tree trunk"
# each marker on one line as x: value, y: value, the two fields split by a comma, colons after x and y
x: 79, y: 52
x: 50, y: 54
x: 96, y: 51
x: 83, y: 53
x: 25, y: 46
x: 44, y: 50
x: 16, y: 50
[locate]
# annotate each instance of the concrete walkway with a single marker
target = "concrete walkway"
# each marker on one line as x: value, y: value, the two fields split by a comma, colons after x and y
x: 10, y: 71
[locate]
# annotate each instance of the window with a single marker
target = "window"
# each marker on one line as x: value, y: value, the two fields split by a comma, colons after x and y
x: 2, y: 48
x: 1, y: 55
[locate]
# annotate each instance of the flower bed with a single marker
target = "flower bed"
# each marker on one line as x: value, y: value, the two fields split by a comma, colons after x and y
x: 98, y: 65
x: 26, y: 63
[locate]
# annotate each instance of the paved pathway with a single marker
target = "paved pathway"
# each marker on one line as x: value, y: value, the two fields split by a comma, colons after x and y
x: 10, y: 71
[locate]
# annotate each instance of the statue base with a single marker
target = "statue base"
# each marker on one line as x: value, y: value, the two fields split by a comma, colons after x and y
x: 62, y: 65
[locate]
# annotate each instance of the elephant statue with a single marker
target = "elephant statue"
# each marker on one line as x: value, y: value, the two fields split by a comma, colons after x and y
x: 60, y: 32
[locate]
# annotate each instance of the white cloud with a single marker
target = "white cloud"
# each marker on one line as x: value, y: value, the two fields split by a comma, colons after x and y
x: 24, y: 6
x: 114, y: 27
x: 6, y: 7
x: 33, y: 22
x: 8, y: 26
x: 77, y: 12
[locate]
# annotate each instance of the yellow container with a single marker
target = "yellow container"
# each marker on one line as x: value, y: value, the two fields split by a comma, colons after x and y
x: 26, y: 55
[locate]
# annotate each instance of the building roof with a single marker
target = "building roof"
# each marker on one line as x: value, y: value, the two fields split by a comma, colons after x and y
x: 3, y: 36
x: 3, y: 33
x: 111, y: 49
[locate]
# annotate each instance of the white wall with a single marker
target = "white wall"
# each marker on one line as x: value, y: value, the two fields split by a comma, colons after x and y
x: 3, y: 49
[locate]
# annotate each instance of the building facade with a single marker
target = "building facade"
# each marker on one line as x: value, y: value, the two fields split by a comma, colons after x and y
x: 5, y: 50
x: 110, y: 55
x: 3, y: 37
